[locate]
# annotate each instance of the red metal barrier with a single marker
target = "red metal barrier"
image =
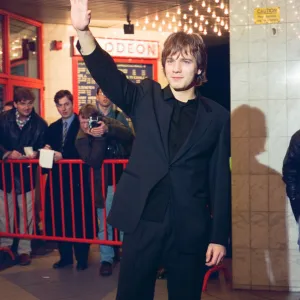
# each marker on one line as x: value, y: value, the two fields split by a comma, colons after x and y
x: 66, y: 197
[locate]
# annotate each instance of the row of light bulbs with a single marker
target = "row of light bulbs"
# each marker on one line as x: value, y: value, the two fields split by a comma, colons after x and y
x: 187, y: 20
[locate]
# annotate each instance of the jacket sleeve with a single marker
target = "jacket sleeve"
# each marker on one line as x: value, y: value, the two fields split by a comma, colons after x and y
x: 119, y: 131
x: 91, y: 150
x: 115, y: 85
x: 3, y: 150
x: 41, y: 139
x: 220, y: 187
x: 291, y: 174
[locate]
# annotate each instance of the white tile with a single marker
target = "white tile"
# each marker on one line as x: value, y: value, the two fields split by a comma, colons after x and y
x: 277, y: 118
x: 293, y: 109
x: 239, y: 12
x: 240, y: 229
x: 282, y: 5
x: 259, y: 230
x: 241, y: 266
x: 258, y: 81
x: 258, y: 118
x: 240, y: 119
x: 240, y: 156
x: 293, y: 41
x: 276, y: 39
x: 259, y: 193
x: 277, y: 151
x: 239, y: 81
x: 258, y: 43
x: 259, y: 156
x: 240, y: 193
x: 277, y: 80
x: 293, y: 79
x: 239, y: 44
x: 293, y: 11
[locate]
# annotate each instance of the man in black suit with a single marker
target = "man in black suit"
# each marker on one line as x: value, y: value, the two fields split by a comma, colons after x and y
x: 178, y: 172
x: 61, y: 137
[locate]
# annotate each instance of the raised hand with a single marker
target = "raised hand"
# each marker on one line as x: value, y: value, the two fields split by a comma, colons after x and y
x: 80, y: 15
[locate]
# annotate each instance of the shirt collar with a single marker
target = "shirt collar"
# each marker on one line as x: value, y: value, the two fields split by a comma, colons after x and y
x: 167, y: 93
x: 69, y: 120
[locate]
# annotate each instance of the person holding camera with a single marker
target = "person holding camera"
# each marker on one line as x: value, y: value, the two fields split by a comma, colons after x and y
x: 97, y: 132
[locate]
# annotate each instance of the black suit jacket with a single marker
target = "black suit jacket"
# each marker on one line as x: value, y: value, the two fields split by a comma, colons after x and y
x: 199, y: 172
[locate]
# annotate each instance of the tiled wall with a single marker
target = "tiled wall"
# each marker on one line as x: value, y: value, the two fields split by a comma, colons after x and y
x: 265, y: 101
x: 58, y: 64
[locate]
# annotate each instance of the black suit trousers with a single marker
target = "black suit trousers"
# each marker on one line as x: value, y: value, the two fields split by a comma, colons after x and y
x: 150, y: 246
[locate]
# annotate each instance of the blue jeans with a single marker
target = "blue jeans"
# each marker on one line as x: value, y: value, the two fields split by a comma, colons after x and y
x: 106, y: 252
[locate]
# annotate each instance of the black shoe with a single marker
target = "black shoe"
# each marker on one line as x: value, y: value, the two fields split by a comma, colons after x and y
x: 6, y: 261
x: 105, y: 269
x: 81, y: 266
x: 61, y: 264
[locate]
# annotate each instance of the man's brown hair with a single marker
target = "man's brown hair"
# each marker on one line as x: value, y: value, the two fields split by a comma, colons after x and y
x: 61, y: 94
x: 22, y: 94
x: 88, y: 110
x: 183, y: 43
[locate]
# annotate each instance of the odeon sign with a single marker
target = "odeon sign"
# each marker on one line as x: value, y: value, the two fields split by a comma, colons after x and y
x: 126, y: 48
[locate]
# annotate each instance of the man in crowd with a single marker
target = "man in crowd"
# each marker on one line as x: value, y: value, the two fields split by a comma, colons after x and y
x: 118, y: 148
x: 60, y: 137
x: 19, y: 127
x: 178, y: 172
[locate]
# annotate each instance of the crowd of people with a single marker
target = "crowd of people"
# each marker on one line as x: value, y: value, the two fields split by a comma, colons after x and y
x: 97, y: 132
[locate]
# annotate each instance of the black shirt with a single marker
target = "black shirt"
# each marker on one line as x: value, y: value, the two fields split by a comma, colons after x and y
x: 181, y: 123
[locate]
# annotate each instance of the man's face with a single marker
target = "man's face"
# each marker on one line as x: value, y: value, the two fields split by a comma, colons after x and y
x: 180, y: 70
x: 103, y: 100
x: 65, y: 107
x: 24, y: 107
x: 84, y: 124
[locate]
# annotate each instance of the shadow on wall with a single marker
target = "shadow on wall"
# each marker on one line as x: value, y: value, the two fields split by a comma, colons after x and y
x: 264, y: 230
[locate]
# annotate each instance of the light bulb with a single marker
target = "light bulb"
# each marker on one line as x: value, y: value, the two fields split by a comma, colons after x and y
x: 190, y: 20
x: 226, y: 11
x: 205, y: 32
x: 201, y: 18
x: 179, y: 24
x: 208, y: 9
x: 222, y: 23
x: 167, y: 14
x: 195, y: 24
x: 178, y: 11
x: 203, y: 3
x: 215, y: 29
x: 137, y: 24
x: 146, y: 20
x: 156, y: 18
x: 184, y: 16
x: 219, y: 33
x: 160, y: 29
x: 163, y: 22
x: 201, y: 28
x: 169, y: 26
x: 222, y: 5
x: 190, y: 31
x: 218, y: 19
x: 214, y: 14
x: 206, y: 22
x: 153, y: 25
x: 226, y: 26
x: 190, y: 8
x: 196, y: 13
x: 174, y: 19
x: 185, y: 27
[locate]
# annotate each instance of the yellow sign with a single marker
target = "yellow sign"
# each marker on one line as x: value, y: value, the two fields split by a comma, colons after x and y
x: 267, y: 15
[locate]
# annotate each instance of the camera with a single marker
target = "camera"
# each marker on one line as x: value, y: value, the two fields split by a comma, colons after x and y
x: 93, y: 121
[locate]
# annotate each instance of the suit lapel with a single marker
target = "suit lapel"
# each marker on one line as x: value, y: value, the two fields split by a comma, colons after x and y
x: 164, y: 111
x: 202, y: 121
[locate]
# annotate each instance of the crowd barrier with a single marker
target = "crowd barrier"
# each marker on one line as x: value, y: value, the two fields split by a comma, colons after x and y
x: 55, y: 204
x: 60, y: 204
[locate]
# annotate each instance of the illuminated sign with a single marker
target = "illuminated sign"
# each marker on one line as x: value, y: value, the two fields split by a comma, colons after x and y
x: 126, y: 48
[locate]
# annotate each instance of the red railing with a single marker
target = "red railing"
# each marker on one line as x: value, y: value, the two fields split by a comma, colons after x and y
x: 67, y: 198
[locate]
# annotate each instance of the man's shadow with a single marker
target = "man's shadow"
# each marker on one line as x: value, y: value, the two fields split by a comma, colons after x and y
x: 259, y: 207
